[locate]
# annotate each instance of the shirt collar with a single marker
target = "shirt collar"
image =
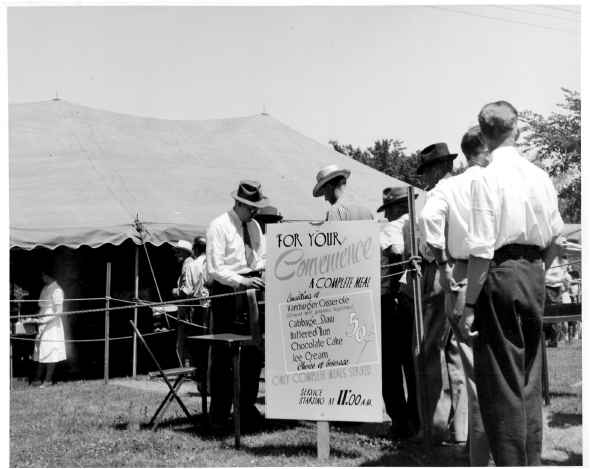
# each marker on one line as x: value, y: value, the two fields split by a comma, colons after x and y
x: 474, y: 169
x: 503, y: 152
x: 234, y: 217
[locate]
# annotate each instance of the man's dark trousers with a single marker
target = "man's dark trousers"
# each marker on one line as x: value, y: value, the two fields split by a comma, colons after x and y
x: 507, y: 355
x: 223, y: 318
x: 396, y: 345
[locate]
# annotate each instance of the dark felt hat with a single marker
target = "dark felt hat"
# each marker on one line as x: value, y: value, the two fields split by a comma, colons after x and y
x: 269, y: 215
x: 249, y: 193
x: 392, y: 196
x: 434, y: 154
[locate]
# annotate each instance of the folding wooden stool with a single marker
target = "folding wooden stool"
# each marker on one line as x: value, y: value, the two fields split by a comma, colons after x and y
x: 181, y: 374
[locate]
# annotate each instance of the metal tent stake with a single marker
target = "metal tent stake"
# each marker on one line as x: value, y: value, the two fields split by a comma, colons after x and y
x: 107, y: 325
x: 135, y: 310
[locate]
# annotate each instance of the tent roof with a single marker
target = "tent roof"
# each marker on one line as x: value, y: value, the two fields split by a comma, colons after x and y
x: 80, y: 175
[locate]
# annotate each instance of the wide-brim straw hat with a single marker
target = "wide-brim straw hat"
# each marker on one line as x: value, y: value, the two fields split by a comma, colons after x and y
x: 184, y: 246
x: 326, y: 174
x: 394, y: 195
x: 434, y: 154
x: 249, y: 193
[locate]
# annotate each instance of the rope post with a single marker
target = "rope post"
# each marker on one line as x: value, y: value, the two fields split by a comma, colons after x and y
x: 418, y: 323
x: 107, y: 325
x: 135, y: 311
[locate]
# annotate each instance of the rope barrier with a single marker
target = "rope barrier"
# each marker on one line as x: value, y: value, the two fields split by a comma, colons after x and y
x: 119, y: 308
x: 65, y: 299
x: 564, y: 265
x: 89, y: 340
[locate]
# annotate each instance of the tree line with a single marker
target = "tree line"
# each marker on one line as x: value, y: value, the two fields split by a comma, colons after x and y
x: 553, y: 143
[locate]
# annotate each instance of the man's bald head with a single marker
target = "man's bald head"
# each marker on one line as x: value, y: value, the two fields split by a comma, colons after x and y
x: 498, y: 122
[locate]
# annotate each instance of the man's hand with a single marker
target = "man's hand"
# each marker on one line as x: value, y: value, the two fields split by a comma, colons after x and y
x: 175, y: 292
x: 446, y: 280
x: 466, y: 323
x: 252, y: 282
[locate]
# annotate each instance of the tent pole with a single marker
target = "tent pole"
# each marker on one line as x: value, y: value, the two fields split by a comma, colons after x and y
x: 419, y: 325
x: 135, y: 310
x: 107, y: 325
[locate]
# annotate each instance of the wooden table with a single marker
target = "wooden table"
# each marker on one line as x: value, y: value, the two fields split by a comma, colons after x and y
x: 235, y: 343
x: 552, y: 314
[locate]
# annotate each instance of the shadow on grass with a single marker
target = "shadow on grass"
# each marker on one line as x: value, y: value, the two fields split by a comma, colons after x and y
x: 394, y: 459
x: 563, y: 420
x: 573, y: 459
x: 298, y: 450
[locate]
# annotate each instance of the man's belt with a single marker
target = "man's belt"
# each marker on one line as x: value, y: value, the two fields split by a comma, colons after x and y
x: 519, y: 248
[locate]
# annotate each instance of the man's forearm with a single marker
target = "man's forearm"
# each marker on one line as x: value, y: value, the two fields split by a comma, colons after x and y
x: 551, y: 252
x: 439, y: 254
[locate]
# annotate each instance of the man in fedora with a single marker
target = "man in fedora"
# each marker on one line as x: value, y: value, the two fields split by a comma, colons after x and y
x: 514, y: 223
x: 439, y: 343
x: 184, y: 255
x: 331, y: 183
x: 268, y: 215
x: 444, y: 221
x: 236, y: 251
x: 397, y: 318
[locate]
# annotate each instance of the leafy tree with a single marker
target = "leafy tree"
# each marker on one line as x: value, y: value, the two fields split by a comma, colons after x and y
x: 388, y: 156
x: 555, y: 144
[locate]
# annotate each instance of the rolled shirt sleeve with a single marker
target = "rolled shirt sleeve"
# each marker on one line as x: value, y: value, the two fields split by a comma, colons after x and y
x: 216, y: 269
x: 481, y: 234
x: 432, y: 218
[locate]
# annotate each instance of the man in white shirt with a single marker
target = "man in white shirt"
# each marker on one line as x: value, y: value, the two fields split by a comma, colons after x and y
x: 444, y: 221
x: 513, y: 224
x: 184, y: 255
x: 439, y: 343
x: 236, y: 256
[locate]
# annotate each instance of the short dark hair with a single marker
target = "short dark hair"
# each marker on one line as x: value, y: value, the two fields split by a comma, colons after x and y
x: 199, y: 244
x: 336, y: 182
x: 471, y: 145
x: 498, y: 120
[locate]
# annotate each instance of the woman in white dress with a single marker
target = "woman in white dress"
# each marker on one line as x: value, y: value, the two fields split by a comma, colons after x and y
x: 50, y: 346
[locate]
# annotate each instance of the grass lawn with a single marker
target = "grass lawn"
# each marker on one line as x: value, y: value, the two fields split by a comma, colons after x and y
x: 88, y: 424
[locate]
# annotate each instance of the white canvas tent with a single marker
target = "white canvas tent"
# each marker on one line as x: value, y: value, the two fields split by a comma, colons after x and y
x: 81, y: 176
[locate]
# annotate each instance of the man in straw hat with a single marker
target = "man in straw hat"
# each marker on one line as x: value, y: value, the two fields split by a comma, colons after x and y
x: 397, y: 318
x: 514, y: 223
x: 439, y: 342
x: 184, y: 255
x: 444, y: 221
x: 236, y: 251
x: 331, y: 183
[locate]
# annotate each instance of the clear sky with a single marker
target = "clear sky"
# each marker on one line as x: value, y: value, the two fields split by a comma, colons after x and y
x: 419, y: 74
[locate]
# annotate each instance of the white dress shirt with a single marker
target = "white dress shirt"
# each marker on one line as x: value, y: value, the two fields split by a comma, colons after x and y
x: 185, y: 281
x: 226, y: 257
x: 198, y: 279
x: 512, y: 202
x: 449, y: 201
